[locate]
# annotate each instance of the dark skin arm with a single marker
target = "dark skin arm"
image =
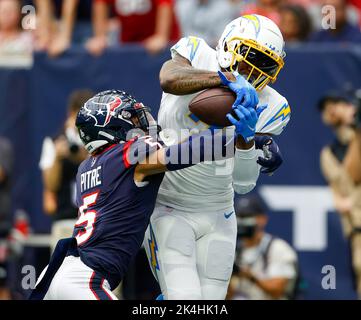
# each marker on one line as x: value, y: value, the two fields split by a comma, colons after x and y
x: 178, y: 77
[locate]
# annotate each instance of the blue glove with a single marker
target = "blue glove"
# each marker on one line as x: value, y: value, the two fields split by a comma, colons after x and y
x: 246, y: 94
x: 273, y: 157
x: 246, y: 122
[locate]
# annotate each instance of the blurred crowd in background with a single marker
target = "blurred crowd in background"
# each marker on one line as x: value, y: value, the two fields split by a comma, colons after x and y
x: 57, y: 25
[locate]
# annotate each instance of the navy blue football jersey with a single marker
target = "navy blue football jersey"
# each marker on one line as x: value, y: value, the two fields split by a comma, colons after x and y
x: 114, y: 212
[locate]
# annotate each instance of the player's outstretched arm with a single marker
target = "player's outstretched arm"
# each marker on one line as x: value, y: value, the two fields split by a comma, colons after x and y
x: 208, y: 145
x: 178, y: 77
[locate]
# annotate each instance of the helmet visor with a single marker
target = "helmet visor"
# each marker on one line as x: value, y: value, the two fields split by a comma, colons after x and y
x: 263, y: 64
x: 259, y: 60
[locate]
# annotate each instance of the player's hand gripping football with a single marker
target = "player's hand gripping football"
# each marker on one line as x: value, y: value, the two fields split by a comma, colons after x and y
x: 272, y: 155
x: 245, y: 125
x: 246, y: 94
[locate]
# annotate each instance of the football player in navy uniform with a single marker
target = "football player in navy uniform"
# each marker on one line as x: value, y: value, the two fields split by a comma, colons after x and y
x: 117, y: 188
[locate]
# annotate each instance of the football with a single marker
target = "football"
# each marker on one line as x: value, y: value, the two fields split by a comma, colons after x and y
x: 212, y: 105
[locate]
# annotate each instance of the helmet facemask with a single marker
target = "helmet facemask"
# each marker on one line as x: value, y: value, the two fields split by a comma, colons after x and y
x: 261, y: 63
x: 142, y: 120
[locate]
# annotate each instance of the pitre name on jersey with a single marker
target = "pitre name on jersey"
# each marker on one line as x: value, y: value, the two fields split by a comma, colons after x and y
x: 90, y: 179
x: 113, y: 210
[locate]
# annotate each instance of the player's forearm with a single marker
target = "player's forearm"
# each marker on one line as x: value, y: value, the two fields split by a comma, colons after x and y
x: 68, y: 17
x: 164, y: 20
x: 100, y: 18
x: 206, y: 146
x: 183, y: 80
x: 242, y: 144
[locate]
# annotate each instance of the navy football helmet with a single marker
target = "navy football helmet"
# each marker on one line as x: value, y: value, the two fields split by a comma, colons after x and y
x: 108, y: 117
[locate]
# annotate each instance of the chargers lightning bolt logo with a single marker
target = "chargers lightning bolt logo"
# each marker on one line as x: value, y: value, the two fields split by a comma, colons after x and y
x: 193, y: 43
x: 282, y: 113
x: 253, y: 18
x: 153, y: 251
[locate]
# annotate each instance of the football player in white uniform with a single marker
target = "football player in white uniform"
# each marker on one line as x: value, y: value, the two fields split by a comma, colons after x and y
x: 191, y: 239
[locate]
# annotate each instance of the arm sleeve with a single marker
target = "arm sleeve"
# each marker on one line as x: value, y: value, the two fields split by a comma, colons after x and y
x: 246, y: 170
x: 138, y: 149
x: 274, y: 119
x: 206, y: 146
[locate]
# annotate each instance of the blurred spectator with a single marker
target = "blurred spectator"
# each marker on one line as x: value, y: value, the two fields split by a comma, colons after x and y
x: 6, y: 167
x: 357, y: 5
x: 206, y: 18
x: 59, y: 163
x: 16, y: 45
x: 151, y: 22
x: 62, y: 22
x: 353, y: 156
x: 266, y: 266
x: 267, y: 8
x: 344, y: 30
x: 339, y: 115
x: 303, y: 3
x: 295, y: 24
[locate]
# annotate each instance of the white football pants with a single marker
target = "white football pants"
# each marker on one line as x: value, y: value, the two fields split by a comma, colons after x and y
x: 76, y: 281
x: 191, y: 254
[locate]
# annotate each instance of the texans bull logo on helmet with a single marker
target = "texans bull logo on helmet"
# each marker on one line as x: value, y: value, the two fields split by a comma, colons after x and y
x: 105, y: 111
x: 109, y: 116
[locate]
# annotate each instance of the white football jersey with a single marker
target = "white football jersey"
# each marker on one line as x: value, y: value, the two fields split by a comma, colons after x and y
x: 208, y: 185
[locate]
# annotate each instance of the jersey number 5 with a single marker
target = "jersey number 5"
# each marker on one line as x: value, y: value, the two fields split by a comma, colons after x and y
x: 86, y: 218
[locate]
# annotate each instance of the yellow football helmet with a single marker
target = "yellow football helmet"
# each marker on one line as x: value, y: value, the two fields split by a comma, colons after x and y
x: 254, y: 46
